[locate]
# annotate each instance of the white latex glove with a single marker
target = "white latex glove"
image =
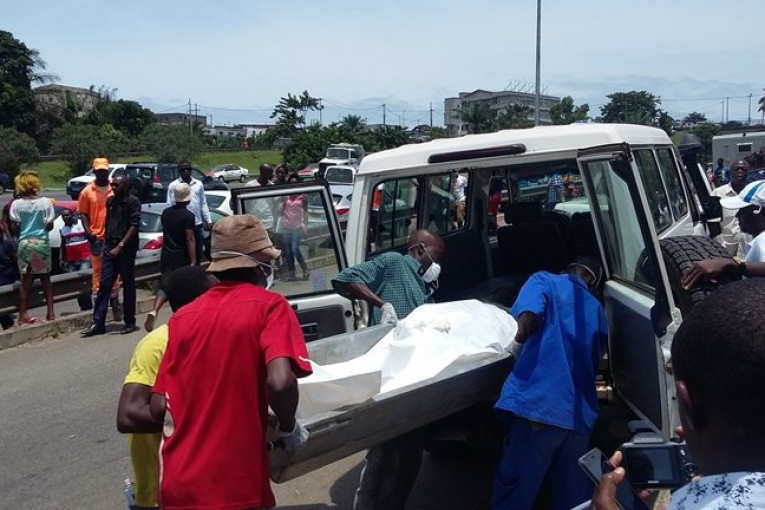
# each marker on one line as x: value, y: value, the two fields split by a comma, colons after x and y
x: 514, y: 348
x: 295, y: 439
x: 388, y: 315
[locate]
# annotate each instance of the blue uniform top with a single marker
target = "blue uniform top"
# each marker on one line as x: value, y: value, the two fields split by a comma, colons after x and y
x: 553, y: 380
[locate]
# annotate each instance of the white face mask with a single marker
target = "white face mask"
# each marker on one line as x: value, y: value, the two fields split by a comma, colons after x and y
x: 432, y: 274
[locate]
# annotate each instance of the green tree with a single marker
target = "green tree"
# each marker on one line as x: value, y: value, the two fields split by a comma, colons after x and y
x: 352, y: 128
x: 564, y: 111
x: 478, y: 116
x: 20, y: 68
x: 16, y: 149
x: 170, y: 144
x: 386, y: 137
x: 694, y: 118
x: 438, y: 132
x: 128, y: 116
x: 310, y: 144
x: 665, y: 122
x: 634, y: 107
x: 515, y: 116
x: 705, y: 131
x: 762, y: 105
x: 78, y: 144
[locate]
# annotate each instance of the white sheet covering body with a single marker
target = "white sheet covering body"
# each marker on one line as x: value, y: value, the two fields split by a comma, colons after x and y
x: 434, y: 339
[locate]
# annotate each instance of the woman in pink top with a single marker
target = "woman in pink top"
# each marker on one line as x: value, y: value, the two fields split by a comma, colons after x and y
x: 292, y: 226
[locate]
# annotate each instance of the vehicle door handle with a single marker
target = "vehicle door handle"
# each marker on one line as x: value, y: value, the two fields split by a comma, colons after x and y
x: 310, y: 331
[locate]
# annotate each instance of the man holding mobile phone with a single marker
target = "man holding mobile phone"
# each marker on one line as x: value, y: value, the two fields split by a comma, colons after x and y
x: 549, y: 402
x: 718, y: 355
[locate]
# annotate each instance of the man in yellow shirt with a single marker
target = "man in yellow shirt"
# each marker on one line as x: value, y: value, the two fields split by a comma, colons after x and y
x: 183, y: 287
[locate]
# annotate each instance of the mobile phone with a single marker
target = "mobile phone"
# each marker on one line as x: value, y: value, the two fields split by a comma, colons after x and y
x: 595, y: 464
x: 657, y: 466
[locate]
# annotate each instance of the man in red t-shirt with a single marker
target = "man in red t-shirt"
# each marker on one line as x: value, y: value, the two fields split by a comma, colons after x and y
x: 231, y: 353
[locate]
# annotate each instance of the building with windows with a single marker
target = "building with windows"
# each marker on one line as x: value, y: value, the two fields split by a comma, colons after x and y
x: 180, y: 119
x: 497, y: 101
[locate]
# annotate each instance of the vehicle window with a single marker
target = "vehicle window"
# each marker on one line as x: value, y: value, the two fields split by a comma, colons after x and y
x: 744, y: 147
x: 618, y: 224
x: 339, y: 176
x: 669, y: 171
x: 299, y: 226
x: 150, y: 222
x: 214, y: 201
x: 654, y: 189
x: 447, y: 202
x: 498, y: 194
x: 393, y: 215
x: 216, y: 215
x: 167, y: 173
x: 197, y: 174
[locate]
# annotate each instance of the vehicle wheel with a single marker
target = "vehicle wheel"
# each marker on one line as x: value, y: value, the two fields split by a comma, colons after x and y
x: 222, y: 179
x: 241, y: 178
x: 680, y: 253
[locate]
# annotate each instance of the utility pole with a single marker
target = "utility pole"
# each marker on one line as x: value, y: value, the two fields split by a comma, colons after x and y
x: 727, y: 109
x: 403, y: 118
x: 539, y: 62
x: 749, y: 121
x: 722, y: 113
x: 190, y: 115
x: 431, y: 114
x: 320, y: 115
x: 384, y: 124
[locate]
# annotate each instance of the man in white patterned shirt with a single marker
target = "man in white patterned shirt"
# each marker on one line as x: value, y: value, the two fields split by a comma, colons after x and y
x: 197, y: 205
x: 718, y: 355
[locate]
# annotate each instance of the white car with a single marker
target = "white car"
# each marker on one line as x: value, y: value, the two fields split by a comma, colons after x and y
x: 340, y: 180
x: 229, y: 172
x: 219, y: 200
x: 76, y: 184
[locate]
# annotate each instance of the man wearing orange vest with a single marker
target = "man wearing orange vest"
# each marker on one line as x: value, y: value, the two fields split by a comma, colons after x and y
x: 92, y: 208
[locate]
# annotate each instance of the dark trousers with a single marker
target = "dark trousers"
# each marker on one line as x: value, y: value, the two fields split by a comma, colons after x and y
x: 124, y: 266
x: 532, y: 452
x: 199, y: 236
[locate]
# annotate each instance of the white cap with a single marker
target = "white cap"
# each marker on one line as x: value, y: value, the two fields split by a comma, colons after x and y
x: 182, y: 192
x: 752, y: 194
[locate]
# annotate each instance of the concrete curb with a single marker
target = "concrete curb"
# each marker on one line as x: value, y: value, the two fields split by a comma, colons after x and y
x: 60, y: 327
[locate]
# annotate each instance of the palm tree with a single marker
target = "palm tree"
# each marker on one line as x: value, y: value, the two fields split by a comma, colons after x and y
x: 478, y: 116
x: 762, y: 105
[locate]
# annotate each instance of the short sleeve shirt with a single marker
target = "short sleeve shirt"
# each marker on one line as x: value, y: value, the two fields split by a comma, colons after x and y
x: 92, y: 202
x: 756, y: 251
x: 553, y: 380
x: 731, y: 491
x: 33, y: 216
x: 213, y: 378
x: 393, y: 277
x: 175, y: 221
x: 144, y: 448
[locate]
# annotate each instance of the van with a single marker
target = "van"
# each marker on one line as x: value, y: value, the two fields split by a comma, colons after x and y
x: 618, y: 192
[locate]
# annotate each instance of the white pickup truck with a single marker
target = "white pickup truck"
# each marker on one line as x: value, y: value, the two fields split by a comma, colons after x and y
x: 642, y: 217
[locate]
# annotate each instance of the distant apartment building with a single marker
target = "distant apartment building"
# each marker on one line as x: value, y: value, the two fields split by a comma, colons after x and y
x: 497, y: 101
x: 57, y: 97
x: 180, y: 119
x: 243, y: 130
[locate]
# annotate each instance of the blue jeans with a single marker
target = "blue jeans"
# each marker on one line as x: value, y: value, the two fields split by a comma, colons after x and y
x: 199, y: 236
x: 124, y: 266
x: 292, y: 252
x: 532, y: 452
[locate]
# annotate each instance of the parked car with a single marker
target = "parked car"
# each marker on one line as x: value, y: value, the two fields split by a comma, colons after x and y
x: 76, y: 184
x: 54, y: 236
x: 308, y: 171
x: 340, y: 180
x: 229, y: 172
x: 219, y: 200
x: 149, y: 181
x: 150, y: 237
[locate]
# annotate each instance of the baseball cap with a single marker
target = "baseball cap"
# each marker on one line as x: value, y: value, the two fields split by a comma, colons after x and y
x: 182, y: 192
x: 752, y: 194
x: 240, y: 241
x: 100, y: 164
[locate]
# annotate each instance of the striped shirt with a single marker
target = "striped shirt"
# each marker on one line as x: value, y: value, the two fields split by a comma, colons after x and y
x: 394, y: 278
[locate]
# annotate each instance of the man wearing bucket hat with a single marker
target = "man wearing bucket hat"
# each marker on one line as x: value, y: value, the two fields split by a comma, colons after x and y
x: 178, y: 245
x: 750, y: 204
x: 232, y: 353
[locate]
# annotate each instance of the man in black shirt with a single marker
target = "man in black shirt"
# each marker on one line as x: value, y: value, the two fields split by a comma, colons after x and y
x: 123, y: 216
x: 178, y: 244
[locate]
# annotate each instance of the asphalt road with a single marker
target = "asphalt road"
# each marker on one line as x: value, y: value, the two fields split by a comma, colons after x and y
x: 59, y: 447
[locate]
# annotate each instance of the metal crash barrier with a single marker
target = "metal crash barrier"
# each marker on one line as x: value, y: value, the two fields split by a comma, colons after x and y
x: 70, y: 285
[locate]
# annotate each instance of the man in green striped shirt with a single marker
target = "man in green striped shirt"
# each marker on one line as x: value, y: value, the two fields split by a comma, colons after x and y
x: 393, y: 285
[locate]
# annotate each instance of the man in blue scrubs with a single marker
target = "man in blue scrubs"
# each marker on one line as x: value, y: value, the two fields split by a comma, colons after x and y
x: 549, y: 403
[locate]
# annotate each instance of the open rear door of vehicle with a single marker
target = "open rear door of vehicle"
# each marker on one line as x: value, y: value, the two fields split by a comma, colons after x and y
x: 318, y: 243
x: 635, y: 293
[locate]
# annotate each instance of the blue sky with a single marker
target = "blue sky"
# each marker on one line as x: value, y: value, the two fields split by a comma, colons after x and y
x: 235, y: 58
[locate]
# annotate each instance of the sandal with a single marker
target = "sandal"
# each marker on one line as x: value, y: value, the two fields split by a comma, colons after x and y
x: 29, y: 321
x: 49, y: 318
